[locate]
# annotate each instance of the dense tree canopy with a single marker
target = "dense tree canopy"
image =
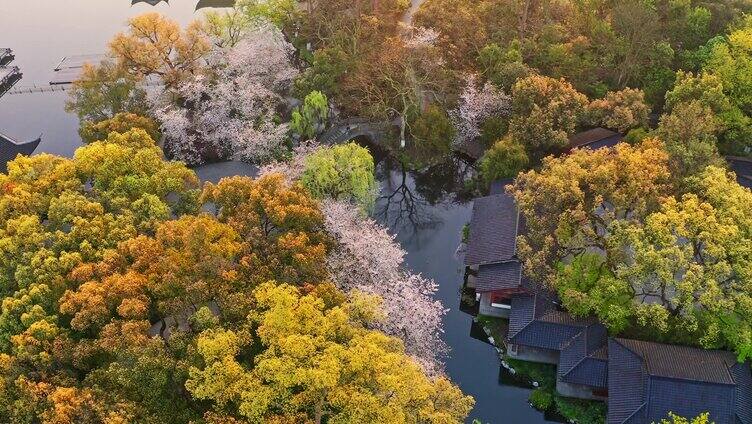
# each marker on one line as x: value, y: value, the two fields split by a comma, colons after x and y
x: 101, y: 93
x: 609, y: 232
x: 121, y: 122
x: 126, y: 287
x: 595, y: 45
x: 319, y: 364
x: 573, y: 199
x: 344, y: 172
x: 157, y: 46
x: 119, y: 297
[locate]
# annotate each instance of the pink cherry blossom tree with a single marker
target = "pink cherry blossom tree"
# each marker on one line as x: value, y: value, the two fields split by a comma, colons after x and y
x: 368, y: 259
x: 230, y: 110
x: 293, y: 167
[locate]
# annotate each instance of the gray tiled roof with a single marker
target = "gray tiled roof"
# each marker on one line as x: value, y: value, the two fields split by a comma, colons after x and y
x: 595, y: 138
x: 9, y: 149
x: 500, y: 276
x: 523, y: 313
x: 742, y: 167
x: 493, y: 230
x: 589, y: 371
x: 627, y: 385
x: 499, y: 186
x: 647, y: 380
x: 584, y: 360
x: 535, y: 321
x: 665, y: 360
x: 743, y: 394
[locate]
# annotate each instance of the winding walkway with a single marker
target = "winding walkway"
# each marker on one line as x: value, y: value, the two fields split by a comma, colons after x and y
x: 407, y: 17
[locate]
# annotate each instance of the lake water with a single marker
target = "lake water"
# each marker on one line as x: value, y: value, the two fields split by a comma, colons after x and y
x: 423, y: 209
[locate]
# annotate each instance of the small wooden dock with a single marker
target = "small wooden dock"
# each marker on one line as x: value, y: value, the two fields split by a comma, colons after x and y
x: 70, y: 67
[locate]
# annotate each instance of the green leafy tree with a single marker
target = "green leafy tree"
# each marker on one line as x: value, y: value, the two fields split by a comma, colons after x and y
x: 732, y: 63
x: 687, y: 26
x: 61, y: 221
x: 103, y: 91
x: 545, y: 112
x: 621, y: 110
x: 588, y: 287
x: 309, y: 119
x: 280, y: 12
x: 343, y: 172
x: 328, y: 65
x: 704, y: 87
x: 675, y: 274
x: 689, y: 134
x: 503, y: 67
x: 505, y: 159
x: 571, y: 201
x: 432, y: 133
x: 676, y: 419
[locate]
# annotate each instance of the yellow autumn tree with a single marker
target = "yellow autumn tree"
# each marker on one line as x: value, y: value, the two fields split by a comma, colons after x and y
x: 319, y: 363
x: 281, y: 224
x: 156, y: 46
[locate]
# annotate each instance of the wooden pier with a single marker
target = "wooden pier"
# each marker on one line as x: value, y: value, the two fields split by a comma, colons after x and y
x: 67, y: 71
x: 31, y: 89
x: 57, y: 88
x: 70, y: 67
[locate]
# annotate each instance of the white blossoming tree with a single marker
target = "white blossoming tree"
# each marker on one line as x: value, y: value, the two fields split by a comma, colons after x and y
x: 475, y: 106
x: 368, y: 259
x: 232, y: 110
x: 292, y: 168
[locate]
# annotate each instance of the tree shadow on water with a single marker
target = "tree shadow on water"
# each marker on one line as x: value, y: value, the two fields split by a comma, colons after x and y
x: 413, y: 202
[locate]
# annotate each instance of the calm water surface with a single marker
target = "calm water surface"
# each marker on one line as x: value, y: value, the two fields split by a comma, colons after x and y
x: 420, y: 208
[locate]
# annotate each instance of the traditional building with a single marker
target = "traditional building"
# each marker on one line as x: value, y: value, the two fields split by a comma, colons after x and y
x: 539, y: 329
x: 214, y: 4
x: 648, y: 380
x: 594, y: 139
x: 742, y: 167
x: 491, y: 258
x: 641, y: 381
x: 10, y: 148
x: 583, y: 365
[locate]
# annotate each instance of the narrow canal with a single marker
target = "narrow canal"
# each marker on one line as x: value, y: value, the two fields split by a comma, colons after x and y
x: 426, y: 210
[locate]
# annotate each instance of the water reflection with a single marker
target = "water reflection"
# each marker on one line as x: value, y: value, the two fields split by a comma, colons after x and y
x: 409, y: 198
x: 400, y: 206
x: 426, y: 210
x: 448, y: 180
